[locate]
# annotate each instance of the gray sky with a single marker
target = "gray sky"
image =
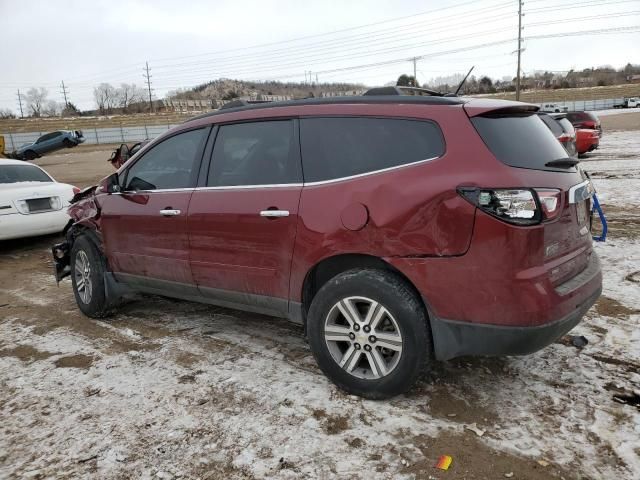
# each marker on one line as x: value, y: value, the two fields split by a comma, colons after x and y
x: 190, y: 42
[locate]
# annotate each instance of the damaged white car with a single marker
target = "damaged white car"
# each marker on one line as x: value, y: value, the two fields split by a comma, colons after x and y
x: 31, y: 202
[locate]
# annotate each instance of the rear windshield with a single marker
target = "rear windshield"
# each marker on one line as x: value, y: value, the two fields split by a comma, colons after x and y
x: 553, y: 125
x: 22, y: 173
x: 521, y: 140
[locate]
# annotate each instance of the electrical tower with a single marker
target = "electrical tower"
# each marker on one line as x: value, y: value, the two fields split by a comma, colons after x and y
x: 20, y: 103
x: 519, y: 48
x: 147, y: 78
x: 415, y: 79
x: 64, y: 94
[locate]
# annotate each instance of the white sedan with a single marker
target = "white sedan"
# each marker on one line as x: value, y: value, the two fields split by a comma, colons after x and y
x: 31, y: 202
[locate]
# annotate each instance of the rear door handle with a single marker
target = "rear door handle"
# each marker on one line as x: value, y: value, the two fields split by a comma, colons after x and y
x: 274, y: 213
x: 169, y: 212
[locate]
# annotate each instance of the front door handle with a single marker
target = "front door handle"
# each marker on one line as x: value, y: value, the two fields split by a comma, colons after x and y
x: 168, y: 212
x: 274, y: 213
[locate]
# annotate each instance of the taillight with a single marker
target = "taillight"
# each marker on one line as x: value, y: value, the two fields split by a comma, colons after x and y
x: 516, y: 206
x: 565, y: 137
x: 550, y: 200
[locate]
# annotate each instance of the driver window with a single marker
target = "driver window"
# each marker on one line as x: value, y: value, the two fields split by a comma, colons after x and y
x: 170, y: 164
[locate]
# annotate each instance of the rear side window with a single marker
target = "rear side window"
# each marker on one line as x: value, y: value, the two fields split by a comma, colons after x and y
x: 553, y: 125
x: 522, y: 141
x: 258, y: 153
x: 342, y: 147
x: 567, y: 126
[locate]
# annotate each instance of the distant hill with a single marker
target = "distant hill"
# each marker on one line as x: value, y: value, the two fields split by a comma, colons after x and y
x: 227, y: 89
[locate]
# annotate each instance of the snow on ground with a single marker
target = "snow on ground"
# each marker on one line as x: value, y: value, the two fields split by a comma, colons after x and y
x: 171, y: 389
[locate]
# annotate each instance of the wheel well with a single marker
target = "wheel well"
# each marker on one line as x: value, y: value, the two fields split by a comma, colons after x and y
x: 328, y: 268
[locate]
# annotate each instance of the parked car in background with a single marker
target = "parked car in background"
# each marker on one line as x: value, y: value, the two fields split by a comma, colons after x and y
x: 48, y: 143
x: 585, y: 120
x: 563, y: 131
x: 587, y: 140
x: 397, y: 230
x: 31, y: 201
x: 633, y: 102
x: 553, y: 108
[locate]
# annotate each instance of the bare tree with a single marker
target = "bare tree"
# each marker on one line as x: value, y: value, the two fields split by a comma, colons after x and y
x: 36, y: 98
x: 51, y: 108
x: 6, y: 113
x: 129, y: 94
x: 106, y: 97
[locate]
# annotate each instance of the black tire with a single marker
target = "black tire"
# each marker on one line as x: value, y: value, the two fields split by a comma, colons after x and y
x: 406, y: 308
x: 95, y: 305
x: 67, y: 143
x: 30, y: 155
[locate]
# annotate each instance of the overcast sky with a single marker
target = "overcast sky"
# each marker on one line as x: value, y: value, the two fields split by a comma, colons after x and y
x: 190, y: 42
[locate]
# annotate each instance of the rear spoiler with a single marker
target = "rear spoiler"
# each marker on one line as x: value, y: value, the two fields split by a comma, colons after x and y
x: 477, y: 107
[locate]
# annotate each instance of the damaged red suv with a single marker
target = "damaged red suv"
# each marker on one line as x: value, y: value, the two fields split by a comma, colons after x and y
x: 398, y: 230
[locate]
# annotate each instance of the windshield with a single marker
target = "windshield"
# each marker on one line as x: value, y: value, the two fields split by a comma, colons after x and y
x: 22, y: 173
x: 520, y: 140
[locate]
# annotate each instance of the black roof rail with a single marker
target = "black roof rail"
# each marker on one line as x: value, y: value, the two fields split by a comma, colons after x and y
x: 241, y: 103
x: 359, y: 100
x: 401, y: 90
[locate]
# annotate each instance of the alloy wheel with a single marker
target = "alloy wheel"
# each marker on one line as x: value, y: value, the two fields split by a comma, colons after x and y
x: 363, y: 337
x: 83, y: 276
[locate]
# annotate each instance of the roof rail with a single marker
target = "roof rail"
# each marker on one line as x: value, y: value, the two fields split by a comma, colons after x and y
x: 401, y: 90
x: 241, y: 103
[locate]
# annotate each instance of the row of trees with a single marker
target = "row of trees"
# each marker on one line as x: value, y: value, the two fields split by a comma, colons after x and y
x: 128, y: 98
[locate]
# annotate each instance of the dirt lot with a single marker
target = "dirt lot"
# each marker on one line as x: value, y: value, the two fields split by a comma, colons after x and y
x: 170, y: 389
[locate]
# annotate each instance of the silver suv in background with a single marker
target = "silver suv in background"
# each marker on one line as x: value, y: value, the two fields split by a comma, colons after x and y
x: 48, y: 143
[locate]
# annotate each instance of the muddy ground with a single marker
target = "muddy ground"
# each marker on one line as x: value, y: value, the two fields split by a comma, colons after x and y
x: 168, y: 389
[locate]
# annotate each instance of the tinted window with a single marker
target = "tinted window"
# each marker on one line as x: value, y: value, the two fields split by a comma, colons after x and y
x: 170, y: 164
x: 22, y: 173
x: 259, y: 153
x: 567, y: 127
x: 520, y: 140
x: 342, y: 147
x: 552, y: 124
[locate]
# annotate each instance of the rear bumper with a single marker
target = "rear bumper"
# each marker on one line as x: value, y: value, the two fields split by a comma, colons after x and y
x: 19, y: 226
x: 455, y: 339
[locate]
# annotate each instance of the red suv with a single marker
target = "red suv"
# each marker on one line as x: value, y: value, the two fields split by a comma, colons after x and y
x: 397, y: 230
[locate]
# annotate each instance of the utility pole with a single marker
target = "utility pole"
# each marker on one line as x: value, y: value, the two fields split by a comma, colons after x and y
x: 20, y: 102
x: 148, y: 79
x: 415, y: 79
x: 64, y: 93
x: 519, y: 48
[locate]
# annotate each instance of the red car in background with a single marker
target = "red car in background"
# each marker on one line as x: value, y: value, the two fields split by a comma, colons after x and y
x: 588, y: 120
x: 587, y: 140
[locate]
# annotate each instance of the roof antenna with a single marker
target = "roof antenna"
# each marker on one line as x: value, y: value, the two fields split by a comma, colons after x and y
x: 463, y: 80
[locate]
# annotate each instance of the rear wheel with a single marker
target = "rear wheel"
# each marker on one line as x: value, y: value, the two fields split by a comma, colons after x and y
x: 67, y: 143
x: 30, y: 155
x: 87, y: 277
x: 368, y: 332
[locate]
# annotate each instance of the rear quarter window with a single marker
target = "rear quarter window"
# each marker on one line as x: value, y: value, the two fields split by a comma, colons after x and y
x: 339, y: 147
x: 522, y: 141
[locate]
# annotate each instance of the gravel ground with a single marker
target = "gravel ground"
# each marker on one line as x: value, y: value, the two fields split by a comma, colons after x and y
x: 171, y: 389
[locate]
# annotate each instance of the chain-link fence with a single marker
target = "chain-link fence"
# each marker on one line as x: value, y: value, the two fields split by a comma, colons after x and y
x: 93, y: 136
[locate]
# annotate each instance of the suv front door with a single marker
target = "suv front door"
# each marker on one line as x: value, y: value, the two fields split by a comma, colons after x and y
x: 242, y: 222
x: 145, y: 225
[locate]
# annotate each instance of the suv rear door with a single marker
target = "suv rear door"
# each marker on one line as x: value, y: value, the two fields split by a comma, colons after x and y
x: 145, y: 225
x: 242, y: 220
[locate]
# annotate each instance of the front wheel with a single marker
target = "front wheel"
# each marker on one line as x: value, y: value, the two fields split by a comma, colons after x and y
x: 87, y: 278
x: 368, y: 331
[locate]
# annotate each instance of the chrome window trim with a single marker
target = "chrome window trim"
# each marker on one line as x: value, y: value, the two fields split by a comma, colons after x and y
x: 163, y: 190
x: 284, y: 185
x: 374, y: 172
x: 581, y: 191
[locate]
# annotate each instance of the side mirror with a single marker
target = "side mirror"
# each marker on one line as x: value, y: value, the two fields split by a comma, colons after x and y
x: 111, y: 184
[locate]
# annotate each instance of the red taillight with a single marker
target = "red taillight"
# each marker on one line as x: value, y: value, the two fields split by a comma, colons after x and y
x: 565, y: 138
x: 550, y: 200
x: 76, y: 190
